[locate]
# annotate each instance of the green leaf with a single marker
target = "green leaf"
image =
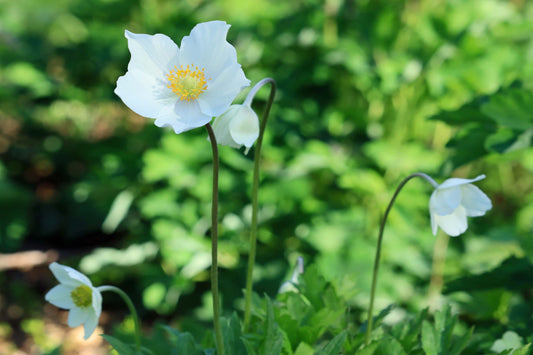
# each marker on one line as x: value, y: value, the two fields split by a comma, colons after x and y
x: 511, y: 108
x: 274, y: 337
x: 334, y: 347
x: 467, y: 113
x: 184, y: 343
x: 231, y: 332
x: 429, y: 341
x: 507, y: 140
x: 121, y: 347
x: 512, y: 274
x: 304, y: 349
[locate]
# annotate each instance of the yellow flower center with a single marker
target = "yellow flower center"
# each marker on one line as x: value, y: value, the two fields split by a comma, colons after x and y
x: 82, y: 296
x: 188, y: 83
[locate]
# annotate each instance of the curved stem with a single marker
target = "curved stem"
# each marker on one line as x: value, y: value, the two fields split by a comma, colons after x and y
x: 378, y: 249
x: 132, y: 309
x: 214, y: 244
x: 255, y: 190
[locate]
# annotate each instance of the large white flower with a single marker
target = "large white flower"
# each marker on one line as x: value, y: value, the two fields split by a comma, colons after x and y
x: 77, y: 294
x: 182, y: 87
x: 238, y: 126
x: 454, y: 200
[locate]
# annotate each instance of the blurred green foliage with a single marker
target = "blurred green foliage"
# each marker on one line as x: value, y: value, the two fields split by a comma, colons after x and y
x: 369, y: 92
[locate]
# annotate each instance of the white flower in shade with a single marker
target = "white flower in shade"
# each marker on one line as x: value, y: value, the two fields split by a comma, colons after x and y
x: 238, y: 126
x: 77, y: 294
x: 454, y: 200
x: 182, y: 87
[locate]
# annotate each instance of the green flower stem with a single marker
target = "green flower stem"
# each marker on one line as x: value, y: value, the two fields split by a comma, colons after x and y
x: 214, y: 244
x: 378, y: 249
x: 255, y: 190
x: 133, y: 312
x: 437, y: 270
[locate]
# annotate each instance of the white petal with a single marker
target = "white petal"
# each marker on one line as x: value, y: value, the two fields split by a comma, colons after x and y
x: 90, y: 325
x: 189, y: 114
x: 445, y: 201
x: 474, y: 201
x: 206, y: 47
x: 244, y: 126
x: 173, y: 122
x: 457, y: 182
x: 77, y: 316
x: 59, y: 296
x: 222, y: 90
x: 221, y: 128
x: 155, y: 55
x: 68, y: 276
x: 97, y: 303
x: 143, y: 94
x: 434, y: 225
x: 453, y: 224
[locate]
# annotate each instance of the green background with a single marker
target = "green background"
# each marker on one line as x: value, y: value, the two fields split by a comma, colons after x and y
x: 368, y: 93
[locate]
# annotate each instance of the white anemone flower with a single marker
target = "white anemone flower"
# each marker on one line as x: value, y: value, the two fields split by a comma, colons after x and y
x: 76, y: 293
x: 454, y: 200
x: 182, y: 87
x: 238, y: 126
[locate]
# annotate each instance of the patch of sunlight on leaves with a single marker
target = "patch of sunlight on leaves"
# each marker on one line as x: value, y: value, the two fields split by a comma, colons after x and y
x: 488, y: 251
x: 161, y: 203
x: 118, y: 211
x: 135, y: 254
x: 35, y: 327
x: 67, y: 30
x: 154, y: 295
x: 403, y: 159
x: 509, y: 341
x: 26, y: 75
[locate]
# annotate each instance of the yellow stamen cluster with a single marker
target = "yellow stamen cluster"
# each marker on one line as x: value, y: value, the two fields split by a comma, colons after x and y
x: 82, y: 296
x: 188, y: 83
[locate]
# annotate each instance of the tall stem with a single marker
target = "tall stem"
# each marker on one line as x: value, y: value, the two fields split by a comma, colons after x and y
x: 214, y: 244
x: 437, y: 271
x: 255, y: 190
x: 132, y: 309
x: 378, y: 249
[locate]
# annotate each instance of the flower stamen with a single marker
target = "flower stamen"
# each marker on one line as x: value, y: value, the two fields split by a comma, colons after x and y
x: 82, y: 296
x: 188, y: 83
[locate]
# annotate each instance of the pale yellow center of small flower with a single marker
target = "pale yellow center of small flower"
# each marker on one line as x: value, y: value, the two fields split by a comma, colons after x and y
x: 82, y: 296
x: 188, y: 83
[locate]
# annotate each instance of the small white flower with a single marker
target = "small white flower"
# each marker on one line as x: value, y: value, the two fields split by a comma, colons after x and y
x: 182, y: 87
x: 77, y: 294
x: 454, y: 200
x: 238, y: 126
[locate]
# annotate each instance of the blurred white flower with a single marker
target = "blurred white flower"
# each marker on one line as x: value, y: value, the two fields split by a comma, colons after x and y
x: 182, y: 87
x: 454, y: 200
x: 236, y: 127
x: 77, y: 294
x: 292, y: 284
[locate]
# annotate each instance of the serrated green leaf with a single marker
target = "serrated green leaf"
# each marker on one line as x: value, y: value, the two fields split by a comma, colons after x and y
x: 274, y: 337
x: 460, y: 344
x: 512, y: 108
x: 334, y: 347
x: 231, y: 332
x: 184, y: 343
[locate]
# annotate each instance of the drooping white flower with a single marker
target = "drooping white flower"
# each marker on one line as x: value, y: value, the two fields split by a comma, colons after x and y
x: 236, y: 127
x: 76, y: 293
x: 453, y: 201
x: 182, y: 87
